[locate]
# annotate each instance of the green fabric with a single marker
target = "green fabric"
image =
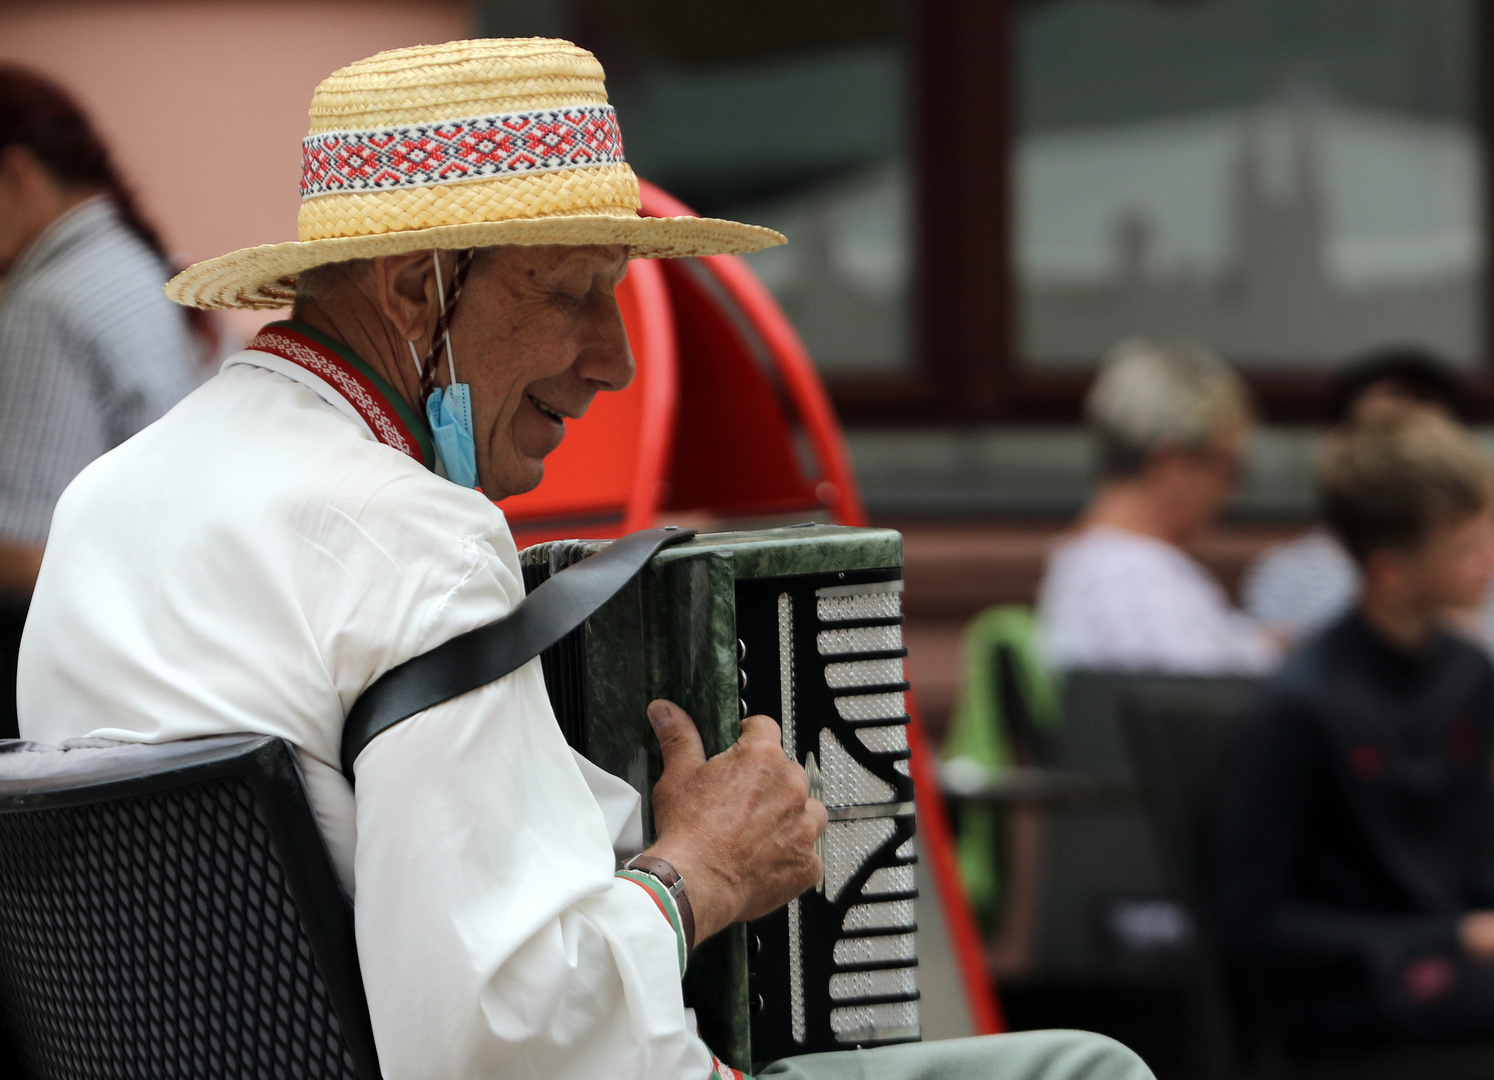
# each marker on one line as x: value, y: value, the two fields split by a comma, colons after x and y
x: 1029, y: 1055
x: 978, y: 732
x: 417, y: 424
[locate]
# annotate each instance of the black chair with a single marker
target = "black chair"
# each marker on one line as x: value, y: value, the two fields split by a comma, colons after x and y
x: 1179, y: 735
x: 172, y: 912
x: 1101, y: 862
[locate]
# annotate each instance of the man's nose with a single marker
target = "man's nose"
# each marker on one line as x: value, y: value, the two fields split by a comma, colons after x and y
x: 607, y: 362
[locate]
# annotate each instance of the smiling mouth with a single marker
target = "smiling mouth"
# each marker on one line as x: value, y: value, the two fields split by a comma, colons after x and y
x: 559, y: 418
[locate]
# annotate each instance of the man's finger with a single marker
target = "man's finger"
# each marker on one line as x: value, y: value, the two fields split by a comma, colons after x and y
x: 762, y: 727
x: 679, y: 741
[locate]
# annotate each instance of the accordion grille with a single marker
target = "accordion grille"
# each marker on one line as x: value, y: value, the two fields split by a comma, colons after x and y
x: 872, y: 707
x: 836, y: 684
x: 875, y: 950
x: 859, y: 638
x: 867, y: 1023
x: 846, y: 782
x: 847, y: 844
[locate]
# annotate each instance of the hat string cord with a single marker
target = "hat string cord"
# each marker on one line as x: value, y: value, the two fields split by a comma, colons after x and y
x: 442, y: 337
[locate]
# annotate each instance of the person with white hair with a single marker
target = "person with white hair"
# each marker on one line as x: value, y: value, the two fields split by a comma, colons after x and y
x: 1171, y: 422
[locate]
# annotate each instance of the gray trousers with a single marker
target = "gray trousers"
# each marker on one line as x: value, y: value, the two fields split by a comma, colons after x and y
x: 1028, y: 1055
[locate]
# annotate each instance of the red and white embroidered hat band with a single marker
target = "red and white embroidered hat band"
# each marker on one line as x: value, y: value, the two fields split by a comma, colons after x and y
x: 467, y: 144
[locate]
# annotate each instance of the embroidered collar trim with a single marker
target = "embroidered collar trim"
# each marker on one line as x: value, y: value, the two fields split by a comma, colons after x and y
x: 387, y: 414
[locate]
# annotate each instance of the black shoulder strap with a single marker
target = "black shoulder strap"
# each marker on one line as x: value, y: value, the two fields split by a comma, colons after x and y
x: 480, y: 656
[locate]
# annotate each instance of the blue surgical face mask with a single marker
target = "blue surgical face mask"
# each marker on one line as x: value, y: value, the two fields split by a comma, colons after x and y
x: 450, y: 414
x: 449, y: 411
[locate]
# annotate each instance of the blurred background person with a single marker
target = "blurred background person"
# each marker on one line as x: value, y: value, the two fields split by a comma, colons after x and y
x: 1172, y: 422
x: 1304, y: 584
x: 91, y: 350
x: 1354, y: 873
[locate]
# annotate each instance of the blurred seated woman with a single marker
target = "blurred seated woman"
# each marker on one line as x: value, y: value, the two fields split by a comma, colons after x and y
x: 91, y: 351
x: 1120, y: 594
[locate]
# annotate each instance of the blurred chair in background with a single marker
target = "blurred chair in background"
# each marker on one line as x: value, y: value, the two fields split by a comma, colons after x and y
x: 1306, y: 583
x: 1172, y: 423
x: 90, y: 348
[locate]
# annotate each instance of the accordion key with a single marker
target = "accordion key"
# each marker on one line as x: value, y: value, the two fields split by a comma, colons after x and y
x: 805, y: 625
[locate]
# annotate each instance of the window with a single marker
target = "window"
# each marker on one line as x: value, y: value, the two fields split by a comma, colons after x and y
x: 1290, y: 182
x: 985, y: 195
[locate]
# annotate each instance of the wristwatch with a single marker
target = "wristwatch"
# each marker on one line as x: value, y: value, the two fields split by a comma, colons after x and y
x: 665, y: 874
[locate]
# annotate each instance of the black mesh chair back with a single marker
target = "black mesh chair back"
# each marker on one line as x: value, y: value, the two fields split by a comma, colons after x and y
x: 1101, y: 859
x: 1178, y: 733
x: 171, y: 912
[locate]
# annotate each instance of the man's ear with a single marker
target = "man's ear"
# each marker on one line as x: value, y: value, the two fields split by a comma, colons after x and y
x: 405, y: 288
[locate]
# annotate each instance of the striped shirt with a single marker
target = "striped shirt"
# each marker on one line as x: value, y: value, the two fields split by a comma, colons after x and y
x: 91, y: 351
x: 1301, y: 585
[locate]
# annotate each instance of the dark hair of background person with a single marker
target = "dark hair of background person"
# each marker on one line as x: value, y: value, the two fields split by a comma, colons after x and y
x: 38, y: 114
x: 1416, y: 373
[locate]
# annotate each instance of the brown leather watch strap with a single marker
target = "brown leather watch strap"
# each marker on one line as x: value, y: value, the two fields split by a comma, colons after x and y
x: 662, y: 871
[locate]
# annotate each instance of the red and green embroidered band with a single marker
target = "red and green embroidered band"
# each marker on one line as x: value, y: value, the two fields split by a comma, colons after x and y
x: 387, y: 414
x: 655, y: 888
x: 450, y: 151
x: 720, y: 1070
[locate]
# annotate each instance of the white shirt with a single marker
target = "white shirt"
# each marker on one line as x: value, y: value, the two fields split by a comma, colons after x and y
x: 1117, y: 600
x: 251, y: 563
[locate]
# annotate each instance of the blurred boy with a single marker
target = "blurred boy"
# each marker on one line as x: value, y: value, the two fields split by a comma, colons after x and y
x: 1354, y: 879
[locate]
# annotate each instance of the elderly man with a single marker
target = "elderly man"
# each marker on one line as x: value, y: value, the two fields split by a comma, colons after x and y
x: 322, y: 511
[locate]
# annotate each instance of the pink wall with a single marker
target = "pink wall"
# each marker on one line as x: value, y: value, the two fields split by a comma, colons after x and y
x: 205, y: 102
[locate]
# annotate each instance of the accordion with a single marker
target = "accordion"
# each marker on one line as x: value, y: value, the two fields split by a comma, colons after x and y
x: 803, y: 624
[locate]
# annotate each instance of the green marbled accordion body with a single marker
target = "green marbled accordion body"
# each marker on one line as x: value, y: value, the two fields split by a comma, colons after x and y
x: 803, y: 624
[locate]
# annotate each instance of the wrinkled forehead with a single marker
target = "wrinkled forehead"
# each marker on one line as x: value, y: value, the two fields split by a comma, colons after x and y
x: 592, y: 259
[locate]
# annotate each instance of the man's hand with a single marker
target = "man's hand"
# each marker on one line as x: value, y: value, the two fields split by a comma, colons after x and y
x: 741, y: 827
x: 1476, y: 933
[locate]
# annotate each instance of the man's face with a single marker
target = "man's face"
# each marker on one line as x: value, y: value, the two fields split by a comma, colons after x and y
x: 537, y: 334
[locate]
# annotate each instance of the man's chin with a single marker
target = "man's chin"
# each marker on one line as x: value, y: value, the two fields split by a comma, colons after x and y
x: 521, y: 481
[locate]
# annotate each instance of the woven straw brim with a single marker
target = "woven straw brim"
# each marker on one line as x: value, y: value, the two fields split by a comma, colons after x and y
x: 265, y: 276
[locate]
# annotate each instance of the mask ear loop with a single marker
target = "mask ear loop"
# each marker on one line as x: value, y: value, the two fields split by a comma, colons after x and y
x: 443, y: 320
x: 415, y: 357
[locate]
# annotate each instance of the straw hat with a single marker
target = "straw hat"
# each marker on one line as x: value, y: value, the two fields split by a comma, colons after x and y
x: 467, y: 144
